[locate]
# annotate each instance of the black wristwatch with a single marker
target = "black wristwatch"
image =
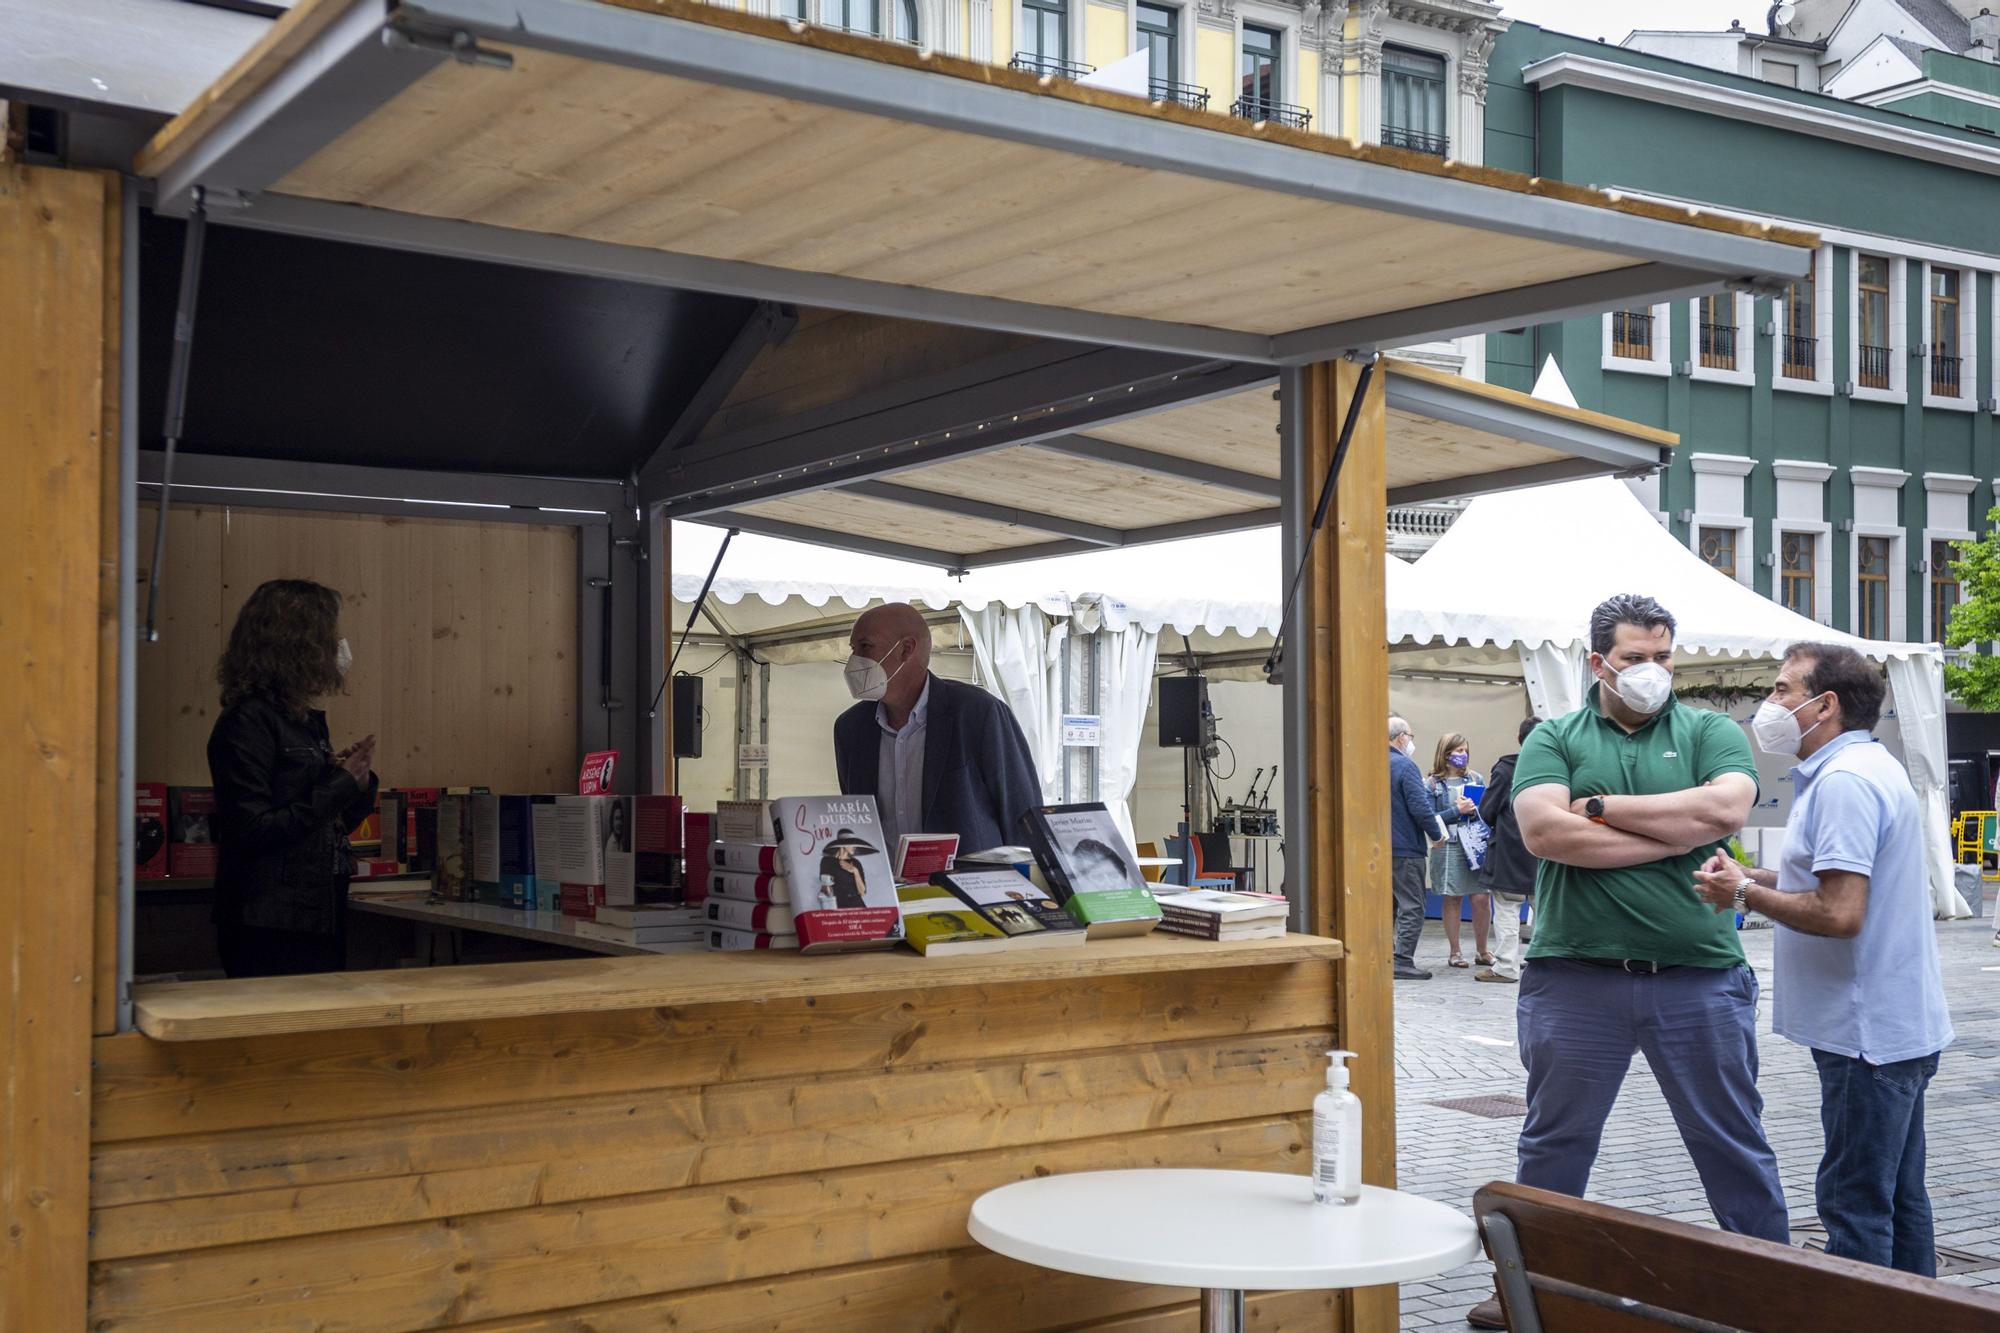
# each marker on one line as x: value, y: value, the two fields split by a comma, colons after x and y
x: 1594, y: 808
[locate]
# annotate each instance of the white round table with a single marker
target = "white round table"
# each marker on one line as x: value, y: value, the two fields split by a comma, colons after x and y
x: 1226, y: 1232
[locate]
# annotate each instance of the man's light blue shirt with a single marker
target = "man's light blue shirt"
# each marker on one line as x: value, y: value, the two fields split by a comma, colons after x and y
x: 900, y: 778
x: 1878, y: 997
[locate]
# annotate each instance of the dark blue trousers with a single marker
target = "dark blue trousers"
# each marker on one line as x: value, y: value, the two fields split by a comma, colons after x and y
x: 1870, y: 1189
x: 1579, y: 1025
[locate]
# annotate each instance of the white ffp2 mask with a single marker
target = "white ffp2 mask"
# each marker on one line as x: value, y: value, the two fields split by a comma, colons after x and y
x: 866, y: 680
x: 343, y: 658
x: 1777, y: 728
x: 1645, y: 688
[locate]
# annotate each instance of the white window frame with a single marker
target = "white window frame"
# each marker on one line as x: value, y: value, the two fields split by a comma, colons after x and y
x: 1822, y: 380
x: 1660, y: 362
x: 1184, y: 63
x: 1968, y: 341
x: 1935, y: 633
x: 1746, y: 343
x: 1287, y: 24
x: 1073, y: 23
x: 1822, y: 534
x: 1899, y: 578
x: 1746, y: 543
x: 1899, y: 328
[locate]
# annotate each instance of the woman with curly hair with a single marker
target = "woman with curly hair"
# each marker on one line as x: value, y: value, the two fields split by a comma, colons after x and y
x: 284, y: 800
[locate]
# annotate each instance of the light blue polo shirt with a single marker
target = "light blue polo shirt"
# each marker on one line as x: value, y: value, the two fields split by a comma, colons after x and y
x: 1878, y: 997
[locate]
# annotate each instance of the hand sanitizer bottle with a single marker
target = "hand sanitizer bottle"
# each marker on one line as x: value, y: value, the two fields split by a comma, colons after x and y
x: 1337, y: 1137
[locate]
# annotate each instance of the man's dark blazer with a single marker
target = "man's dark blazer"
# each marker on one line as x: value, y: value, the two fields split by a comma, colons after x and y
x: 978, y: 776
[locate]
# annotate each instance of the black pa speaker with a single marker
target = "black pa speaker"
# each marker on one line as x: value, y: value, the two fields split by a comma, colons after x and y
x: 1183, y: 700
x: 687, y: 717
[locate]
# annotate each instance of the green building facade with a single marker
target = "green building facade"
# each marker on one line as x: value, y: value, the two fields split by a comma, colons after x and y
x: 1833, y: 438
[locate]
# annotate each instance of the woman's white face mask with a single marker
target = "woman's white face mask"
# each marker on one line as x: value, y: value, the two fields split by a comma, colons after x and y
x: 343, y: 658
x: 866, y: 680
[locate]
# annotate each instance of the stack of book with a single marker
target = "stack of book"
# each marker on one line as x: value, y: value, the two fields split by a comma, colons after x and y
x: 659, y: 929
x: 967, y: 911
x: 1091, y: 869
x: 1219, y: 914
x: 748, y: 900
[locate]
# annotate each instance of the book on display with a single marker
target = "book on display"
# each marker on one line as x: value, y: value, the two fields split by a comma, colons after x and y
x: 745, y: 822
x: 830, y: 850
x: 724, y: 940
x: 191, y: 832
x: 1091, y: 868
x: 694, y: 934
x: 745, y: 857
x: 771, y: 918
x: 583, y: 824
x: 547, y: 841
x: 921, y: 855
x: 452, y: 879
x: 1014, y: 905
x: 747, y: 886
x: 149, y: 830
x: 1221, y: 914
x: 937, y: 923
x: 646, y: 917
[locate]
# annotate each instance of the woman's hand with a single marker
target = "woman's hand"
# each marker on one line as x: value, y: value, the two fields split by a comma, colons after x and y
x: 1466, y: 807
x: 358, y: 759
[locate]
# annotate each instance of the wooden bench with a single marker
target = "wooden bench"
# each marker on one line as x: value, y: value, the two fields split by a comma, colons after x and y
x: 1564, y: 1263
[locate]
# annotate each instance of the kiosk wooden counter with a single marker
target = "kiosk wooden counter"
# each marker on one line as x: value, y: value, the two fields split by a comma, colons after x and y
x: 737, y: 1142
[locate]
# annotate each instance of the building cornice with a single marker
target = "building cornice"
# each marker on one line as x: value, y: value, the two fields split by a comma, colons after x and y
x: 1889, y: 477
x: 1576, y: 71
x: 1950, y: 483
x: 1798, y: 469
x: 1722, y: 465
x: 1917, y: 87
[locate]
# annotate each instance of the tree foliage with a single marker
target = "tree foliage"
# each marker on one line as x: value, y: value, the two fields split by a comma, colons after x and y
x: 1975, y: 681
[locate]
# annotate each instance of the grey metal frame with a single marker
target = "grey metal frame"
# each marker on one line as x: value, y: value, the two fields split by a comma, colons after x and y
x: 1090, y: 534
x: 1022, y: 397
x: 768, y: 325
x: 279, y: 483
x: 1296, y: 513
x: 350, y: 71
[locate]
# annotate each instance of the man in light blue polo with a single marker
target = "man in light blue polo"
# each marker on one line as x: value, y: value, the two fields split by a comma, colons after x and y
x: 1855, y: 956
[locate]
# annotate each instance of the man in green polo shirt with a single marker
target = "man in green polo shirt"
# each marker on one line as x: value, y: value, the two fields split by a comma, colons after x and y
x: 1623, y: 800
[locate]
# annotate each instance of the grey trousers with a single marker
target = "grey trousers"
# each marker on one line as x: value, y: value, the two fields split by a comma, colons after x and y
x: 1407, y: 873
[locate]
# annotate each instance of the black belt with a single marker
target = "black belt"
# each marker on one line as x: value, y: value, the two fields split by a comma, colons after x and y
x: 1638, y: 967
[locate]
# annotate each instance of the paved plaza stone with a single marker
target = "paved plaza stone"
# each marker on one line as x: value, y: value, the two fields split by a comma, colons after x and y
x: 1455, y: 1039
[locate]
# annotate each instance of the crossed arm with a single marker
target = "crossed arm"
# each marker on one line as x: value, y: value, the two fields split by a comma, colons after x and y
x: 1638, y: 829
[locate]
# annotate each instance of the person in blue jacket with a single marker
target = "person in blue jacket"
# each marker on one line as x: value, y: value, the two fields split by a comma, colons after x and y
x: 1414, y: 827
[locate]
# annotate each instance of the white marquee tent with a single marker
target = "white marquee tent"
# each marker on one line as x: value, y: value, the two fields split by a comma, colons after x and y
x: 1505, y: 596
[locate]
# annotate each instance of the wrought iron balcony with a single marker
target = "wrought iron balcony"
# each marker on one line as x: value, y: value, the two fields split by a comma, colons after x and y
x: 1049, y: 66
x: 1801, y: 357
x: 1718, y: 346
x: 1284, y: 113
x: 1944, y: 374
x: 1187, y: 94
x: 1632, y: 334
x: 1873, y: 373
x: 1394, y: 136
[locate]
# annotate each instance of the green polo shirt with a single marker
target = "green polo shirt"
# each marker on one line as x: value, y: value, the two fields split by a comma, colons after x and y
x: 1645, y: 911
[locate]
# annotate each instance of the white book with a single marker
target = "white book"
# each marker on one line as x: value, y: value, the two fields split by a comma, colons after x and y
x: 1222, y: 904
x: 629, y: 918
x: 641, y: 935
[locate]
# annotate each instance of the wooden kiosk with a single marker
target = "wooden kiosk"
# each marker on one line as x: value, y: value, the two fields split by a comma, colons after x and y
x: 724, y: 1142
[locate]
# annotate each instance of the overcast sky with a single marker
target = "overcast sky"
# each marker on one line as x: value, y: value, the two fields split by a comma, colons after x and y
x: 1612, y: 19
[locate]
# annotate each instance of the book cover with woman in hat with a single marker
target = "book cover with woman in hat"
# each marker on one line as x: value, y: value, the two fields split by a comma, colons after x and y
x: 830, y: 849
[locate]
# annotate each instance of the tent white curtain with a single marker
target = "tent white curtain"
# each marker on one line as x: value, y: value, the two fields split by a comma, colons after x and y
x: 1553, y: 674
x: 1125, y: 685
x: 1916, y: 686
x: 1020, y: 659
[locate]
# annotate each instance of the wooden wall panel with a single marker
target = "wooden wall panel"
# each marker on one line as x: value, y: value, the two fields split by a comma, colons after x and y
x: 53, y: 279
x: 464, y: 637
x: 730, y: 1166
x: 110, y: 583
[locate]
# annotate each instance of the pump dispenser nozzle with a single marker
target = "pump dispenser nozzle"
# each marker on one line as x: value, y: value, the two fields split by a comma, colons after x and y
x: 1336, y: 1072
